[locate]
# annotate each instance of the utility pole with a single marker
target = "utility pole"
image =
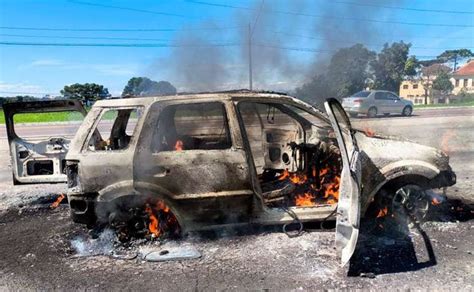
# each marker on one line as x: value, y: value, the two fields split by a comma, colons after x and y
x: 250, y: 57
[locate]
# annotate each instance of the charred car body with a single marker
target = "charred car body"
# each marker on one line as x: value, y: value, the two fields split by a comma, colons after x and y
x: 221, y: 159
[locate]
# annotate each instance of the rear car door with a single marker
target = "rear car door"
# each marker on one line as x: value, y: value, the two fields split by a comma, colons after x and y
x: 192, y: 152
x: 348, y: 209
x: 380, y: 102
x: 38, y: 151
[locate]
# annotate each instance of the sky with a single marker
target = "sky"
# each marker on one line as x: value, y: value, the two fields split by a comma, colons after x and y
x: 199, y: 45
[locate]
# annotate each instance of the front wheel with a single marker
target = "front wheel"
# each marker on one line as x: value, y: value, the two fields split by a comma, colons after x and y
x: 407, y: 111
x: 410, y: 200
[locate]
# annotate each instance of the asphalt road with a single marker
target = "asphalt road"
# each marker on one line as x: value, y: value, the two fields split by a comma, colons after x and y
x: 36, y: 248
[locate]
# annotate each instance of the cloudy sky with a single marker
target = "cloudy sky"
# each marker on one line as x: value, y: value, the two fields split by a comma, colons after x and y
x: 199, y: 45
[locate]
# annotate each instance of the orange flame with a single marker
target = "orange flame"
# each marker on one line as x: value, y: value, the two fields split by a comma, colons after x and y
x: 153, y: 225
x: 435, y: 202
x: 169, y: 223
x: 329, y: 186
x: 382, y: 212
x: 369, y: 132
x: 58, y: 201
x: 178, y: 146
x: 304, y: 200
x: 284, y: 175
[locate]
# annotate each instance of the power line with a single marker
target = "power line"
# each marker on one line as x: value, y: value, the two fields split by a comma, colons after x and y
x: 130, y: 9
x: 401, y: 8
x: 331, y: 17
x: 313, y: 50
x: 85, y: 38
x: 117, y: 29
x: 354, y: 42
x: 301, y: 49
x: 217, y: 44
x: 6, y: 43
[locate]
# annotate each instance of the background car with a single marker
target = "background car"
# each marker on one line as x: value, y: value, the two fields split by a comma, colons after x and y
x: 374, y: 102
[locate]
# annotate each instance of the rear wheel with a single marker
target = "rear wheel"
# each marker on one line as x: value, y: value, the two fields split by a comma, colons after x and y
x: 372, y: 113
x: 407, y: 111
x: 353, y: 115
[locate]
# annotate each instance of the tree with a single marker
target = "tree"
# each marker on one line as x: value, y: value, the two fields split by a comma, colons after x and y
x: 143, y: 86
x: 389, y: 67
x: 85, y: 92
x: 411, y: 66
x: 315, y: 91
x: 455, y: 56
x: 430, y: 72
x: 348, y: 70
x: 347, y: 73
x: 443, y: 84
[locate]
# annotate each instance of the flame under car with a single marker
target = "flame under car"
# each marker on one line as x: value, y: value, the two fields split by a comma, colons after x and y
x: 205, y: 161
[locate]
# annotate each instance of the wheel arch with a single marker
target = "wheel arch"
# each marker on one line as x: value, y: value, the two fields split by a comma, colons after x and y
x: 420, y: 174
x: 125, y: 190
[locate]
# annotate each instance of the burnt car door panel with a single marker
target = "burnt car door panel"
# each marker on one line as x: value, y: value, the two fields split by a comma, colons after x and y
x: 348, y: 208
x: 107, y: 150
x: 194, y: 156
x: 41, y: 159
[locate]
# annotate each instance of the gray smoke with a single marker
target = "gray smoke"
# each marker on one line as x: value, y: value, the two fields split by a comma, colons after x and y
x: 196, y: 65
x: 103, y: 245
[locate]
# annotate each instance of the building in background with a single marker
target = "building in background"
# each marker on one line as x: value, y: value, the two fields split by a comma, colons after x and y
x: 413, y: 90
x: 463, y: 78
x: 419, y: 90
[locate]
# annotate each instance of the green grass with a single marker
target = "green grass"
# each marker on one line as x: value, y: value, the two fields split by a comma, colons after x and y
x: 465, y: 103
x: 44, y: 117
x: 66, y: 116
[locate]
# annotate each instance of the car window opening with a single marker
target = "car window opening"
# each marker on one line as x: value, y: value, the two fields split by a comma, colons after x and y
x: 196, y: 126
x: 114, y: 129
x: 296, y: 155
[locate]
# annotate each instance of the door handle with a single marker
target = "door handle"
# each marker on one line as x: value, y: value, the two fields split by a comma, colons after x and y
x: 161, y: 172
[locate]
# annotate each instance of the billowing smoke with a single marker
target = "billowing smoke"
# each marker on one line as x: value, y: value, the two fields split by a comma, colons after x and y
x: 197, y: 64
x: 286, y: 35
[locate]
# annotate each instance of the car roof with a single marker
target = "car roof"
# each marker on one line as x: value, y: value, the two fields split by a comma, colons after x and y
x: 237, y: 95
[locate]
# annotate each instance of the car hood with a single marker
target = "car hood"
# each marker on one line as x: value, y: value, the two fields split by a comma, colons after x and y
x: 384, y: 150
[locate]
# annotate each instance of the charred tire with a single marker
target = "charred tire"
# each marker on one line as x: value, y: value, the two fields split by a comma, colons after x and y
x: 407, y: 111
x: 403, y: 198
x: 372, y: 112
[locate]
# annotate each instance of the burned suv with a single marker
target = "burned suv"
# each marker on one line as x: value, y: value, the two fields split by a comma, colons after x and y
x: 205, y: 161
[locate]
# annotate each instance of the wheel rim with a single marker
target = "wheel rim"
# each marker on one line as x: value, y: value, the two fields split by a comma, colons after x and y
x: 410, y: 200
x: 407, y: 111
x: 372, y: 112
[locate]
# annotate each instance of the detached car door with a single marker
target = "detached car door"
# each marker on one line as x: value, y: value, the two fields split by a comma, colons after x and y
x: 348, y: 208
x: 38, y: 151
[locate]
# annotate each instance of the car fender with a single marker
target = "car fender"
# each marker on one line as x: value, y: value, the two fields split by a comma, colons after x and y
x: 399, y: 169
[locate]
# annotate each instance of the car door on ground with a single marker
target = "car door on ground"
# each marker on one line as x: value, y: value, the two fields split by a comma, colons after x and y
x: 348, y: 209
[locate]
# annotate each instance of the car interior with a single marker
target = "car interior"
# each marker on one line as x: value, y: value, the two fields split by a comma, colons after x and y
x: 295, y: 155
